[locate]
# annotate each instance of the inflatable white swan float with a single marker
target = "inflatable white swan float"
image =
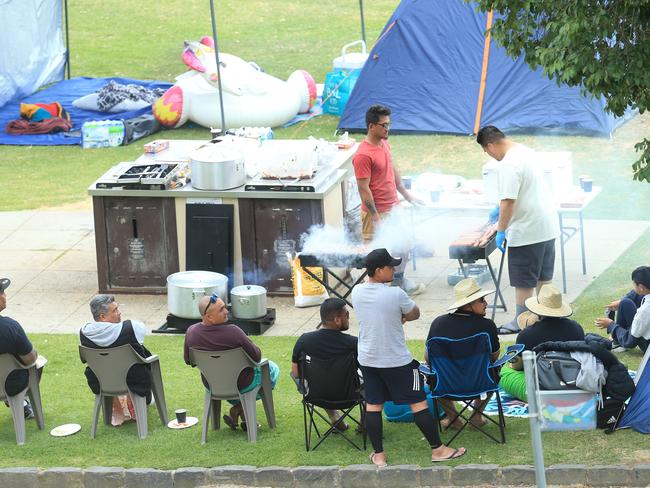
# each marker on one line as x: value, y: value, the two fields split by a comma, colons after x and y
x: 250, y: 97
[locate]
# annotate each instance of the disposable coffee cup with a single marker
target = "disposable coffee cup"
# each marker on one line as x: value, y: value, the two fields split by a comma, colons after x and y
x: 435, y: 196
x: 587, y: 185
x: 181, y: 415
x: 408, y: 181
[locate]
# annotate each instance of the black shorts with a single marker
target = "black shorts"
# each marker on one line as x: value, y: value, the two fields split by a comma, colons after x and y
x: 527, y: 265
x: 403, y: 385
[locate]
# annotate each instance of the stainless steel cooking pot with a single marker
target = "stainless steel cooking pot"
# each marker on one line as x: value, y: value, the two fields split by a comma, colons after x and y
x: 248, y: 301
x: 185, y: 289
x: 217, y: 167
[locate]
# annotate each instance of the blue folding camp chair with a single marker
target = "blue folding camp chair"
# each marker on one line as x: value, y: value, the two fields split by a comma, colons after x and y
x: 460, y: 370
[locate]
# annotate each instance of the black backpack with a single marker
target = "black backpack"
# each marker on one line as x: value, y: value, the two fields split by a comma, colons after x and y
x: 609, y: 414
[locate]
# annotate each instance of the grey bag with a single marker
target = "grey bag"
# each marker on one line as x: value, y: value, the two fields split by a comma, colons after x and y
x: 557, y: 370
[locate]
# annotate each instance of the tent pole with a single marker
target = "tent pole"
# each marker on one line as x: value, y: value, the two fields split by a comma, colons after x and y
x: 484, y: 68
x: 216, y: 56
x: 363, y: 24
x: 67, y: 38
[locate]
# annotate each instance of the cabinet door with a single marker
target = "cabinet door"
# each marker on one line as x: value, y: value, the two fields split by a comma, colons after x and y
x: 278, y: 227
x: 140, y: 241
x: 210, y: 238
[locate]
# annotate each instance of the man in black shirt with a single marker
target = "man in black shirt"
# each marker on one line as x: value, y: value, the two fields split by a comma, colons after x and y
x: 327, y: 342
x: 466, y: 318
x: 554, y: 325
x: 13, y: 340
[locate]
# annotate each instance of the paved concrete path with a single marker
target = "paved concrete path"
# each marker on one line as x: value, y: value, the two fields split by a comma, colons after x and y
x: 50, y: 258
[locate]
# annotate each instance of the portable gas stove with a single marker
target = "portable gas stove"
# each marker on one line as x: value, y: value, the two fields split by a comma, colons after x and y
x: 307, y: 185
x: 154, y: 175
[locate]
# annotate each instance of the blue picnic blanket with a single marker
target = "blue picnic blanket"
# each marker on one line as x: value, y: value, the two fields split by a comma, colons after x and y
x: 65, y: 92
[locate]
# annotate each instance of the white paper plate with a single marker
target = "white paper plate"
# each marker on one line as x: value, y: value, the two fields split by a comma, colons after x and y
x: 65, y: 430
x: 189, y: 422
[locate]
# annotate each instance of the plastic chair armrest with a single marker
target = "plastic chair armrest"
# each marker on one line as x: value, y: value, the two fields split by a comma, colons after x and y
x: 151, y: 359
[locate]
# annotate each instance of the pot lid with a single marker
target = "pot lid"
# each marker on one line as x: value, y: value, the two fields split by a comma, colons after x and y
x: 215, y: 153
x: 196, y: 279
x: 248, y: 290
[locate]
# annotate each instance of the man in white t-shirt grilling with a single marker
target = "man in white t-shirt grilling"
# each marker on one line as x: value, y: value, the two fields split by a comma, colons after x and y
x: 389, y: 370
x: 528, y: 222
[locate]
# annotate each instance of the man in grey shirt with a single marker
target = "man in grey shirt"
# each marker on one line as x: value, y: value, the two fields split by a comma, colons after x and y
x: 389, y: 370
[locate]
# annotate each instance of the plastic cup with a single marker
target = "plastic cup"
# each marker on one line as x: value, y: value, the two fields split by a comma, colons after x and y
x: 587, y: 185
x: 181, y: 415
x: 408, y: 182
x: 581, y: 178
x: 435, y: 196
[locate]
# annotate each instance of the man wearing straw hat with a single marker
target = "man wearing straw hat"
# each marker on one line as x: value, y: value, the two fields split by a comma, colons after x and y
x: 553, y: 325
x: 466, y: 317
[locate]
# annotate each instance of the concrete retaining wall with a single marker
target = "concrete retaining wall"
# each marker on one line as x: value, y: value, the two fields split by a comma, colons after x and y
x: 325, y: 476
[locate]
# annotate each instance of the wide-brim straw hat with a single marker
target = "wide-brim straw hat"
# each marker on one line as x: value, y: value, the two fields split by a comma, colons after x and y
x: 526, y: 318
x: 466, y: 291
x: 548, y: 303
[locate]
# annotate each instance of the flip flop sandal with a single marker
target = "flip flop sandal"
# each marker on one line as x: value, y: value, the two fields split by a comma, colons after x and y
x: 451, y: 457
x: 372, y: 460
x: 227, y: 419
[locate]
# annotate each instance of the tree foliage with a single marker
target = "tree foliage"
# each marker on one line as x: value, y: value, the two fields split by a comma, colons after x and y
x: 602, y: 46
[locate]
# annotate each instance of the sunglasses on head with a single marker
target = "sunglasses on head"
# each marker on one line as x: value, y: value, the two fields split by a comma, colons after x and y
x: 213, y: 299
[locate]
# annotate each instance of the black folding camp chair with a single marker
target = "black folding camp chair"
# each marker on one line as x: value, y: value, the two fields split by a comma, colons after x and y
x: 333, y: 385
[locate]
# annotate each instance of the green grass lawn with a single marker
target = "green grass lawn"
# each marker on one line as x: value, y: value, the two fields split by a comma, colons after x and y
x: 67, y: 399
x: 110, y: 39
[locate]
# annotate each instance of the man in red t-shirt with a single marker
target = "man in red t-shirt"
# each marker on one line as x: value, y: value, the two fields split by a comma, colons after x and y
x: 379, y: 181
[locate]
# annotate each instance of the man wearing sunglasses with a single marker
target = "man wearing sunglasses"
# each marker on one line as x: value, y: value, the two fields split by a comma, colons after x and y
x: 214, y: 333
x: 379, y: 181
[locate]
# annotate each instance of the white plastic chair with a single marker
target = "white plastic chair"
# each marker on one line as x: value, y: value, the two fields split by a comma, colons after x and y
x: 9, y: 363
x: 111, y: 366
x: 221, y: 370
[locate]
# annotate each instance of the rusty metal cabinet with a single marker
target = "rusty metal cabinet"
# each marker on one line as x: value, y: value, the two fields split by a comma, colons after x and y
x: 269, y: 229
x: 136, y: 243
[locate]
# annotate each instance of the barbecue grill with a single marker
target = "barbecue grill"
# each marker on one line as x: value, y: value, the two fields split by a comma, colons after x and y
x: 466, y: 250
x: 334, y: 260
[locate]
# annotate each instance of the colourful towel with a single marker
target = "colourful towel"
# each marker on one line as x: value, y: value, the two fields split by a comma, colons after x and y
x: 37, y: 112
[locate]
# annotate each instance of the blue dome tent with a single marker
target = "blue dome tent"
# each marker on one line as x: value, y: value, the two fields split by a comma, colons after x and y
x: 438, y: 72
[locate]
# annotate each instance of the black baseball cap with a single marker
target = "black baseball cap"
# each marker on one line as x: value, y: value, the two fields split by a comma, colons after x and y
x: 4, y: 284
x: 379, y: 258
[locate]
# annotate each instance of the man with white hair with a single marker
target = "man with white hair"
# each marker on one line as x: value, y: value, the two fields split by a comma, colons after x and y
x: 107, y: 329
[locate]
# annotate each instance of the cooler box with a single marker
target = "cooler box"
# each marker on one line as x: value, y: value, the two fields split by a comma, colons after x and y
x: 340, y: 81
x: 567, y: 410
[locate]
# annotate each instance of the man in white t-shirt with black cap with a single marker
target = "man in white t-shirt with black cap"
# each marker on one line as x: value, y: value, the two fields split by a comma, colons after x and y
x: 528, y: 222
x: 389, y: 370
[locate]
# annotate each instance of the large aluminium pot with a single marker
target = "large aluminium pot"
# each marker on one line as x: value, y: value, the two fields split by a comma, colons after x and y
x: 217, y: 167
x: 248, y: 301
x: 186, y: 288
